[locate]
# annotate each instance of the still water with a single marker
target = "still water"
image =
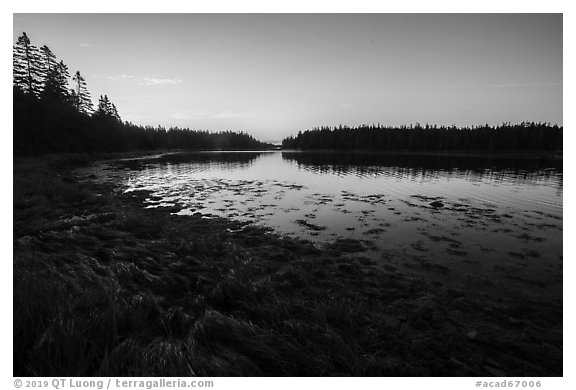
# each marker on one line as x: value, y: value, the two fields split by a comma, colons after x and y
x: 436, y: 213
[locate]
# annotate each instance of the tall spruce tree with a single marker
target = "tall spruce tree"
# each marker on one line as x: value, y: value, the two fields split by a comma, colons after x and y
x: 56, y: 85
x: 27, y: 68
x: 106, y: 108
x: 114, y: 112
x: 48, y: 63
x: 102, y: 109
x: 83, y: 103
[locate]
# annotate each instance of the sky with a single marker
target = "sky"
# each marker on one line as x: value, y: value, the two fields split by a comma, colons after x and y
x: 272, y: 75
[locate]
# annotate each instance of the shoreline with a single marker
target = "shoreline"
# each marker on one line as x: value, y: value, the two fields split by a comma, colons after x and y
x: 104, y: 287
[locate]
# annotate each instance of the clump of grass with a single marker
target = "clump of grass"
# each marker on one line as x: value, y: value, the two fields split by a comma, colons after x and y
x: 143, y: 226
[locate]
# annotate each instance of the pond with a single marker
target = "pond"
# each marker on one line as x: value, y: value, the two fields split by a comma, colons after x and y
x: 492, y: 220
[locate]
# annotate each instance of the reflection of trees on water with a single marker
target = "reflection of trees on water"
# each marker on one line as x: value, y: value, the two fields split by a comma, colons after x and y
x: 495, y: 169
x: 196, y: 160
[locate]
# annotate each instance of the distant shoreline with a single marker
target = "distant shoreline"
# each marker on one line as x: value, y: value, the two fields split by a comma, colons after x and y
x: 149, y: 154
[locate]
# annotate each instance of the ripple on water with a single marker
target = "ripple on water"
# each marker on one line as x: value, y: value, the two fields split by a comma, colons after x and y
x: 493, y: 211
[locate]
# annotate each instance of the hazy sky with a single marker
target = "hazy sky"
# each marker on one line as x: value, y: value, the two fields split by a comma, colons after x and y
x: 275, y: 74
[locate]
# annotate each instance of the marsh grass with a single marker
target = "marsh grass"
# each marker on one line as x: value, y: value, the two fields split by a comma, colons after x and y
x: 103, y: 287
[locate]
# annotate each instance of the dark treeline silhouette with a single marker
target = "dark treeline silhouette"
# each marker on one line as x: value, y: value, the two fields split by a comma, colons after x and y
x: 523, y: 136
x: 50, y: 116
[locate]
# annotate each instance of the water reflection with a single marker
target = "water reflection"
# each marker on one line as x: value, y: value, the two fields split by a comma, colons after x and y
x: 188, y: 161
x: 495, y: 169
x: 496, y: 214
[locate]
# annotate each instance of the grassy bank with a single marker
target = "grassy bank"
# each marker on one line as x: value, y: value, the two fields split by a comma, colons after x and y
x: 104, y: 287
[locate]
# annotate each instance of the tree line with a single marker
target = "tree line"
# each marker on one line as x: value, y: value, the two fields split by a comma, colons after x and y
x: 523, y: 136
x: 53, y: 112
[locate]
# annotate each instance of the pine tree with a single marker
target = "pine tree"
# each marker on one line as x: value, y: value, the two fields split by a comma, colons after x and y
x: 108, y: 105
x: 63, y: 77
x: 83, y: 103
x: 106, y: 108
x: 56, y: 85
x: 26, y: 64
x: 114, y: 112
x: 48, y: 64
x: 102, y: 109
